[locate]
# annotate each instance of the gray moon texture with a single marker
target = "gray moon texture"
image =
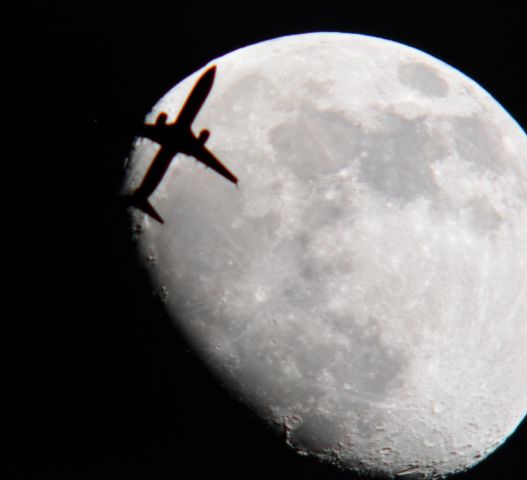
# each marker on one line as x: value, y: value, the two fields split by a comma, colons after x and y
x: 364, y: 290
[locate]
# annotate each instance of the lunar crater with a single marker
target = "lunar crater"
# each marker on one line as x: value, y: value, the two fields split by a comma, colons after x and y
x: 424, y: 79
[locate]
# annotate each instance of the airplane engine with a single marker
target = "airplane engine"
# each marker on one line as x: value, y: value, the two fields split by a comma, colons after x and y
x: 203, y: 136
x: 161, y: 119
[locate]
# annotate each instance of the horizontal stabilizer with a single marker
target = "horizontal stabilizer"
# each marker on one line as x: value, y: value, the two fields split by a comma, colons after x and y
x: 145, y: 206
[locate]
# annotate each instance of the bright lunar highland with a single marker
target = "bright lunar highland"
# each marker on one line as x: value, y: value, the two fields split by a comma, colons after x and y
x: 364, y: 290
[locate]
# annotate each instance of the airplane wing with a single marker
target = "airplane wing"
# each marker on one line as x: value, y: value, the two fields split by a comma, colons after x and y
x: 149, y: 131
x: 196, y: 98
x: 204, y: 156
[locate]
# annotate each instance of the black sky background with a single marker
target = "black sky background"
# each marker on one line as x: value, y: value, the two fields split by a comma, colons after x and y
x: 95, y: 381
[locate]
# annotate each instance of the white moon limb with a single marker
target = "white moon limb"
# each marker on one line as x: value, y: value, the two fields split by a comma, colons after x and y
x: 365, y: 289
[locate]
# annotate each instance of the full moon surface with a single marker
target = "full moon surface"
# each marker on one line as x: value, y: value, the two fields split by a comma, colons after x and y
x: 364, y: 290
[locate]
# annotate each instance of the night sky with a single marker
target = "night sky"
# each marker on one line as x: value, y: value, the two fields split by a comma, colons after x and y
x: 96, y: 383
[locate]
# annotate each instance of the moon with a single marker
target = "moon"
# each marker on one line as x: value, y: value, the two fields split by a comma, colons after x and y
x: 364, y: 290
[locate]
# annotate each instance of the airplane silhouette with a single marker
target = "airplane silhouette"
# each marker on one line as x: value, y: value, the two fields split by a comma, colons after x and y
x: 174, y: 138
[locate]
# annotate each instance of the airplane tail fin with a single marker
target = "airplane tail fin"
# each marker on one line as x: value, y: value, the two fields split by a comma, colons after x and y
x: 145, y: 206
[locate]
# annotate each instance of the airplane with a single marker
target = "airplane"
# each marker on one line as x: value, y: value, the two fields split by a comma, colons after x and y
x: 174, y: 138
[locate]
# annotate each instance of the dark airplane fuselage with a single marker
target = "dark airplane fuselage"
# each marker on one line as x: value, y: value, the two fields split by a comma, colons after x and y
x: 173, y: 140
